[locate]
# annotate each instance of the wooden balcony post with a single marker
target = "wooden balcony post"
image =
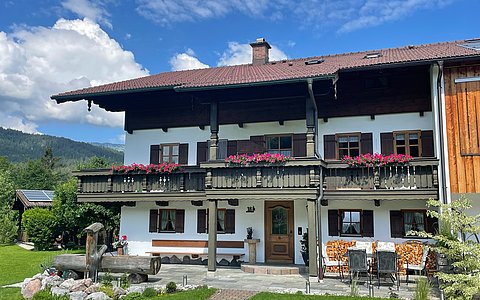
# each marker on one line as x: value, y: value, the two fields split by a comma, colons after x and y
x: 213, y: 131
x: 259, y: 177
x: 310, y: 115
x: 212, y: 235
x: 312, y: 238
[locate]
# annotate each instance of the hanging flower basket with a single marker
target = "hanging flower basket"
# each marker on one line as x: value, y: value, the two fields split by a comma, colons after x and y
x: 257, y: 159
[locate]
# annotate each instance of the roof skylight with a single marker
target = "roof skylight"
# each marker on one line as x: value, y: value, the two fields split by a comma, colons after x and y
x: 373, y: 55
x: 314, y: 61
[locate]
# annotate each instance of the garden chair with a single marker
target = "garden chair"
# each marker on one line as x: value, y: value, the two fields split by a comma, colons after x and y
x: 332, y: 263
x: 418, y: 268
x: 386, y: 262
x: 357, y: 263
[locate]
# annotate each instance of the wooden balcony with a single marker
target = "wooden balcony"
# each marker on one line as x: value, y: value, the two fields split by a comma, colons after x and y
x: 417, y: 180
x: 297, y: 179
x: 101, y: 185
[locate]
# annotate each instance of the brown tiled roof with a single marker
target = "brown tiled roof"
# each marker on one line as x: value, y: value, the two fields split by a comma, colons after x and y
x: 280, y: 70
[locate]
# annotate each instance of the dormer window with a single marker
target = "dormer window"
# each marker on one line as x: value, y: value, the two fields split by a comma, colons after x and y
x: 373, y: 55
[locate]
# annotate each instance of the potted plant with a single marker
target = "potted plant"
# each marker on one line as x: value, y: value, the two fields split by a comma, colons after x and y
x: 304, y: 249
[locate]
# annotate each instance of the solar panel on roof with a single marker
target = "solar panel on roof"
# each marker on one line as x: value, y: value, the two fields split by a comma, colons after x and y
x: 471, y: 44
x: 38, y: 195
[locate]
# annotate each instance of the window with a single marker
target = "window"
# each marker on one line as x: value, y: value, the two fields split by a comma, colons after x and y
x: 402, y: 221
x: 167, y: 220
x: 407, y: 142
x: 350, y: 222
x: 348, y: 144
x: 225, y: 220
x: 169, y: 153
x: 280, y: 144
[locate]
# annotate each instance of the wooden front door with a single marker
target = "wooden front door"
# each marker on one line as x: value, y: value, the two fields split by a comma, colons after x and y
x: 279, y: 231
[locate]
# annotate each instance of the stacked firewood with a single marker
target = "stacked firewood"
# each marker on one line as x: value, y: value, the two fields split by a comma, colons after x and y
x: 337, y: 249
x: 411, y: 252
x: 431, y: 262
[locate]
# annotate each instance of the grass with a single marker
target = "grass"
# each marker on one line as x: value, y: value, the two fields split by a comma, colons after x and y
x: 269, y: 296
x: 16, y: 264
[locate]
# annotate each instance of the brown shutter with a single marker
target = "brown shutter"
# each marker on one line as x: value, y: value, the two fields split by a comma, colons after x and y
x: 230, y: 221
x: 201, y: 221
x: 386, y: 139
x: 432, y: 225
x: 333, y: 222
x: 153, y: 227
x: 427, y: 143
x: 179, y: 220
x: 396, y: 226
x: 366, y: 143
x: 201, y: 152
x: 231, y: 148
x: 154, y: 154
x: 367, y: 223
x: 183, y: 154
x: 258, y: 144
x: 299, y: 145
x: 329, y: 146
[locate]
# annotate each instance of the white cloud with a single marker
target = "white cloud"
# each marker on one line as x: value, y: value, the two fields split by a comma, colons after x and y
x: 94, y: 10
x: 343, y: 16
x: 36, y: 62
x: 186, y: 61
x: 238, y: 54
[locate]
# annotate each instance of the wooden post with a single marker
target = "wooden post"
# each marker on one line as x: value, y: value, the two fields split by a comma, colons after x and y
x: 213, y: 131
x: 212, y: 235
x: 92, y: 258
x: 310, y: 124
x: 312, y: 238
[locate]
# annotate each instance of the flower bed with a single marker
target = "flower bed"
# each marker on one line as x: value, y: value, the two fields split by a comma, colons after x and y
x: 257, y: 159
x: 376, y: 160
x: 150, y: 168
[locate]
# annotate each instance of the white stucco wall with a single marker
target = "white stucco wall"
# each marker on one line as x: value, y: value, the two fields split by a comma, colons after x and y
x: 135, y: 221
x: 381, y: 217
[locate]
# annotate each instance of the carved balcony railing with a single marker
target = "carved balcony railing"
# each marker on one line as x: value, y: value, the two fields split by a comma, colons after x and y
x: 421, y: 173
x: 293, y: 174
x: 104, y: 181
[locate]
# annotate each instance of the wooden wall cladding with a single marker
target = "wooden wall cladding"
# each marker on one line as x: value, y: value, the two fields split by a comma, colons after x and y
x: 462, y: 106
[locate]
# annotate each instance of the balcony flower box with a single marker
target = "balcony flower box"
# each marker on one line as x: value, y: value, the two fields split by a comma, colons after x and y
x: 148, y: 169
x: 257, y: 159
x: 376, y: 160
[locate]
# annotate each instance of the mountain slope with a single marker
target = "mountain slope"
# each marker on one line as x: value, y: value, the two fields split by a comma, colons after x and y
x: 19, y: 147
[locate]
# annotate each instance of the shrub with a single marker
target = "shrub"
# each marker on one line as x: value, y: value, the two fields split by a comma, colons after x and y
x: 108, y: 291
x: 133, y: 296
x: 47, y: 295
x: 107, y: 280
x: 8, y: 225
x: 149, y: 292
x: 124, y: 283
x: 39, y: 224
x: 171, y: 287
x: 422, y: 289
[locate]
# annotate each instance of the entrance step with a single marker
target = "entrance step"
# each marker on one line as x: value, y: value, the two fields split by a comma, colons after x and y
x: 274, y: 269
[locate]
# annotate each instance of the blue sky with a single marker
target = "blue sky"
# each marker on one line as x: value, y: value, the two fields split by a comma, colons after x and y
x: 50, y: 46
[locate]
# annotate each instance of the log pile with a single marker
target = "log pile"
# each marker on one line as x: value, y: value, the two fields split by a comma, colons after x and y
x: 410, y: 251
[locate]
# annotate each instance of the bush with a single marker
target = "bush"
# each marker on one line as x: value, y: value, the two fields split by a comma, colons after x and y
x: 149, y: 292
x: 124, y: 283
x: 47, y: 295
x: 107, y: 280
x: 133, y: 296
x: 39, y: 224
x: 108, y: 291
x: 171, y: 287
x: 8, y: 225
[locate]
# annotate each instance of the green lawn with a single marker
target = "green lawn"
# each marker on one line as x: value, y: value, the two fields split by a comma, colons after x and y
x: 270, y: 296
x: 16, y: 264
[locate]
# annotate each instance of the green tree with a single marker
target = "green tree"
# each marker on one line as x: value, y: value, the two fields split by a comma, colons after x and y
x: 95, y: 162
x: 39, y: 174
x: 458, y: 240
x: 39, y: 223
x: 8, y: 217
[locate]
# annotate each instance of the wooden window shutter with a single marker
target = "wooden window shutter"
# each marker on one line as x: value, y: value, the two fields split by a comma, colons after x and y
x: 329, y: 146
x: 201, y: 221
x: 258, y: 144
x: 432, y: 225
x: 201, y: 152
x: 386, y: 139
x: 230, y: 221
x: 231, y: 148
x: 153, y: 227
x: 300, y: 145
x: 154, y: 154
x: 183, y: 154
x: 367, y: 223
x: 427, y: 143
x: 179, y: 220
x: 333, y: 222
x: 396, y: 224
x: 366, y: 143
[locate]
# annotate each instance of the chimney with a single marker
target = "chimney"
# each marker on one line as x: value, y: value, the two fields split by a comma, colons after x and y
x: 260, y: 51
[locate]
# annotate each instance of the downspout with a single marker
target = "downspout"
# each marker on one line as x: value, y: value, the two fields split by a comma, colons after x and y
x: 314, y: 104
x: 442, y: 141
